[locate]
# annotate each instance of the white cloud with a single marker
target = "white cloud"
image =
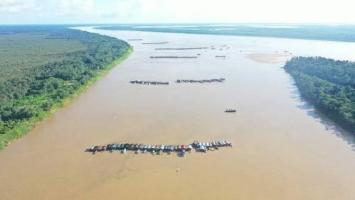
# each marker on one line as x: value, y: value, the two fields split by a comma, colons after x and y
x: 146, y: 11
x: 14, y: 6
x: 75, y: 7
x: 225, y: 10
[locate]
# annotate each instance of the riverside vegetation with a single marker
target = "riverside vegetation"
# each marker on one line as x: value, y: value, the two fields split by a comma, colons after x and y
x: 41, y: 67
x: 329, y: 85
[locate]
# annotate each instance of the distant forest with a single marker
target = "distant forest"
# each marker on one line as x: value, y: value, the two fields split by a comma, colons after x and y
x: 40, y: 66
x: 329, y: 85
x: 344, y: 33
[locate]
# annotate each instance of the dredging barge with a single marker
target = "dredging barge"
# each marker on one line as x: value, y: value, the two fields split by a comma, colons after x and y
x: 143, y: 148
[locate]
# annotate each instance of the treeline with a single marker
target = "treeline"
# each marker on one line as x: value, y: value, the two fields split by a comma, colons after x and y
x: 329, y: 85
x: 32, y: 93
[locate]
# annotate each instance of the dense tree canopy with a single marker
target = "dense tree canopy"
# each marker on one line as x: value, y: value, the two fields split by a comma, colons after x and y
x: 42, y: 65
x: 328, y: 84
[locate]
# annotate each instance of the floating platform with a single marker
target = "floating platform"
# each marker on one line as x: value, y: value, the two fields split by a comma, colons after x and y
x: 143, y: 148
x: 155, y: 42
x: 173, y: 57
x: 182, y: 48
x: 134, y: 39
x: 149, y: 82
x: 218, y: 80
x: 220, y: 56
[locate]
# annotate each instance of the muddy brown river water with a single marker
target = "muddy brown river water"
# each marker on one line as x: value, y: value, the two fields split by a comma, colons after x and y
x: 282, y: 148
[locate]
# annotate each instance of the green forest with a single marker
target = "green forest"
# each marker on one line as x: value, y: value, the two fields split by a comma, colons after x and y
x: 42, y: 66
x: 329, y: 85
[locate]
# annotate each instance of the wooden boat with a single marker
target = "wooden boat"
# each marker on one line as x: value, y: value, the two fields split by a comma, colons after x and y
x: 181, y: 153
x: 202, y: 149
x: 101, y: 148
x: 91, y: 149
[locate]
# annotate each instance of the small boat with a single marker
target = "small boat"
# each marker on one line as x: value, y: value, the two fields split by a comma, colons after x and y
x: 183, y: 147
x: 145, y: 147
x: 162, y: 147
x: 228, y: 143
x: 189, y: 147
x: 195, y: 144
x: 202, y: 149
x: 101, y: 148
x: 91, y: 149
x: 181, y: 153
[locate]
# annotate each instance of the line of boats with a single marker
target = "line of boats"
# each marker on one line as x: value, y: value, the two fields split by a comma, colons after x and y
x: 143, y: 148
x: 220, y: 80
x: 220, y: 56
x: 149, y: 82
x: 134, y: 39
x: 182, y: 48
x: 140, y: 82
x: 176, y: 57
x: 155, y: 42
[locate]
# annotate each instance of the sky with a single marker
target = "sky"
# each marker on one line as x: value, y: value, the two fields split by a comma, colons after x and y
x: 176, y: 11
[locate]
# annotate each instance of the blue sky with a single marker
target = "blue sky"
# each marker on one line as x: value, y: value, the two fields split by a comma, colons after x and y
x: 175, y: 11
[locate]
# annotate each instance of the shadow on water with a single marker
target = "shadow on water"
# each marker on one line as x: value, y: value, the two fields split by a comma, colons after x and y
x: 329, y: 125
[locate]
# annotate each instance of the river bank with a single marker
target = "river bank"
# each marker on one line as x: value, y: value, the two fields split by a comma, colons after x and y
x: 23, y: 127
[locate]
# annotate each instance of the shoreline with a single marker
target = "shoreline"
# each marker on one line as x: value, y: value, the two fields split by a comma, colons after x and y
x: 26, y: 126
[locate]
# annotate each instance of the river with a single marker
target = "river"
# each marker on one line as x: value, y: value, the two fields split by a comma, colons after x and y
x: 282, y: 148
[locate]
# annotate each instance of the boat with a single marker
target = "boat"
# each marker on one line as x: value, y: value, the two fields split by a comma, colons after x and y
x: 91, y: 149
x: 101, y: 148
x: 230, y: 111
x: 181, y: 153
x: 202, y: 149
